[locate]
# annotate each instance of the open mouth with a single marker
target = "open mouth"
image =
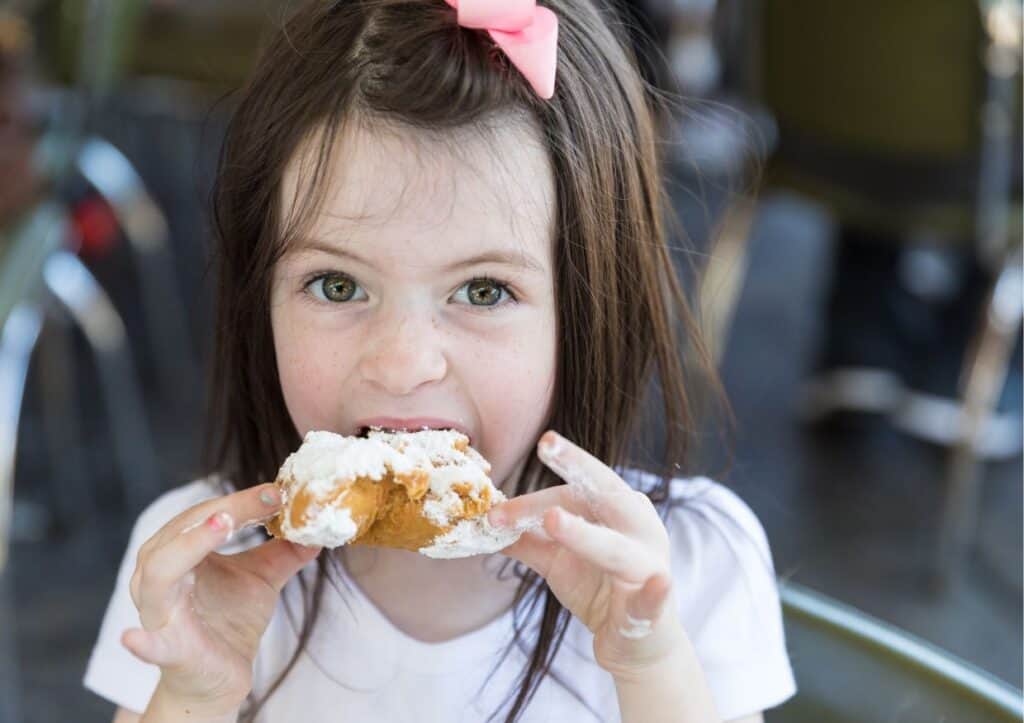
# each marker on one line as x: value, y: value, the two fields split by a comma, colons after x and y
x: 395, y: 426
x: 365, y: 431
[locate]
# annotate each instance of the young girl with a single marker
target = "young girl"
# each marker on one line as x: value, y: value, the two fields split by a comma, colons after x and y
x: 421, y: 222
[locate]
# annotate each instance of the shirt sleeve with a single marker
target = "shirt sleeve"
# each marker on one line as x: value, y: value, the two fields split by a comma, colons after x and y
x: 729, y: 599
x: 113, y: 672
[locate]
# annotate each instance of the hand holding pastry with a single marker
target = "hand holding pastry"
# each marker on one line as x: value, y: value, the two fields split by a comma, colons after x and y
x: 604, y: 552
x: 203, y: 614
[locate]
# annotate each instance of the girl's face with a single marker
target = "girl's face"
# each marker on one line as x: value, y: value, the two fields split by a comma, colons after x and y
x: 423, y: 293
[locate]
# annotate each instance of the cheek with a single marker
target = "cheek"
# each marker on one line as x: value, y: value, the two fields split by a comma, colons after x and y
x: 309, y: 370
x: 514, y: 382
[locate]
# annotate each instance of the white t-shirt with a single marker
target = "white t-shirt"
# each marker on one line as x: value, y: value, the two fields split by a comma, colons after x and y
x: 360, y: 665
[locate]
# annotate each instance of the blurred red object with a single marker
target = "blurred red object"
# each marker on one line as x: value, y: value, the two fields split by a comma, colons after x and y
x: 95, y: 224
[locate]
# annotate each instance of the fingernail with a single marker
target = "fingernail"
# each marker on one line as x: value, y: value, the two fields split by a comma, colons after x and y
x: 550, y: 444
x: 219, y: 521
x: 268, y: 497
x: 497, y: 519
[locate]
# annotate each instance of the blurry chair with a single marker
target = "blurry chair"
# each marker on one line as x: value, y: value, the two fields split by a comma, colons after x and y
x: 35, y: 271
x: 39, y: 277
x: 852, y: 668
x: 94, y: 41
x: 63, y: 150
x: 988, y: 360
x: 955, y: 194
x: 986, y: 371
x: 907, y: 145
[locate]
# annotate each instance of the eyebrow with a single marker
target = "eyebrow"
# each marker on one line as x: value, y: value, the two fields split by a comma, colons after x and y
x: 517, y: 259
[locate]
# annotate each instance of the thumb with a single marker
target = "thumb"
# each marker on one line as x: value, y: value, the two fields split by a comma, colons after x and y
x: 147, y: 645
x: 276, y: 561
x: 648, y: 603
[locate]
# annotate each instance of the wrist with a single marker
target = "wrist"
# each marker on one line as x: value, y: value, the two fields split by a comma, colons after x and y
x: 676, y: 653
x: 167, y: 707
x: 670, y: 689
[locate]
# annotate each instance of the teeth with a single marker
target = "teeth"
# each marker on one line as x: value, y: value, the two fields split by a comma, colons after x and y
x: 365, y: 431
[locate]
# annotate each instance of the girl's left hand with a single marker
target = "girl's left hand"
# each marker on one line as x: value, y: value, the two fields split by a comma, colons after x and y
x: 605, y: 556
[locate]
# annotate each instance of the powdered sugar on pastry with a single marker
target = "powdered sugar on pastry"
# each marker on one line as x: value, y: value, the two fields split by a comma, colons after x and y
x: 329, y: 526
x: 325, y: 458
x: 397, y: 489
x: 478, y: 537
x: 443, y: 501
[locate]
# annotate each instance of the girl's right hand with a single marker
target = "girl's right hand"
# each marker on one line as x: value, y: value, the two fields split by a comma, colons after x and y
x: 203, y: 614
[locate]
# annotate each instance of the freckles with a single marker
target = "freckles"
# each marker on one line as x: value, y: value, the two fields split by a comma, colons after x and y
x: 308, y: 369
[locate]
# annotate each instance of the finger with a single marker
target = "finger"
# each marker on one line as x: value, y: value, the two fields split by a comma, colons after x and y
x: 577, y: 466
x: 245, y: 507
x: 536, y: 551
x: 608, y: 549
x: 165, y: 567
x: 606, y: 495
x: 524, y: 510
x: 276, y: 561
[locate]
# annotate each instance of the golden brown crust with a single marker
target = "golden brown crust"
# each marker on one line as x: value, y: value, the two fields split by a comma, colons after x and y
x: 387, y: 513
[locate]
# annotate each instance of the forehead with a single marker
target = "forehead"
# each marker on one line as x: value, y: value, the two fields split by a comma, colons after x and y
x: 468, y: 189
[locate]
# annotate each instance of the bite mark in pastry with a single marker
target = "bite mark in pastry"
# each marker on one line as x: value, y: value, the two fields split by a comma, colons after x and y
x: 427, y: 491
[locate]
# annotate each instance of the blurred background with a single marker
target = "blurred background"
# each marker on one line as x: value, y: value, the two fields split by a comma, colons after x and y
x: 849, y: 180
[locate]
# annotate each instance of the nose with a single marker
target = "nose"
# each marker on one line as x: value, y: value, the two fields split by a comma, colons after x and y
x: 403, y: 351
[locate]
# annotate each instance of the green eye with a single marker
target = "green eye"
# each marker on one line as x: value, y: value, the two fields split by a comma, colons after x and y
x: 484, y: 292
x: 336, y: 287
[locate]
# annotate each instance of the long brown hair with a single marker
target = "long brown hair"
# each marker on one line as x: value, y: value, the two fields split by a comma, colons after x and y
x: 624, y: 322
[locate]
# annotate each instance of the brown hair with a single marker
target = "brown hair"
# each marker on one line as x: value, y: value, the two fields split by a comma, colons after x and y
x: 622, y: 314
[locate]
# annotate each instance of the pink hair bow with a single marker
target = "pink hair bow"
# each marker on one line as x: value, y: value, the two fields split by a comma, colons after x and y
x: 527, y: 34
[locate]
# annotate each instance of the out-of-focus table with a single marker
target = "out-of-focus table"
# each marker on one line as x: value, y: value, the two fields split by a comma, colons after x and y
x: 852, y: 668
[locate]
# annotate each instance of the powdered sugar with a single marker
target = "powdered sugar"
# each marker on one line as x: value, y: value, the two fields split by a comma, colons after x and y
x: 329, y: 526
x: 478, y: 537
x: 443, y: 502
x: 635, y: 628
x: 326, y: 461
x: 580, y: 485
x: 439, y: 446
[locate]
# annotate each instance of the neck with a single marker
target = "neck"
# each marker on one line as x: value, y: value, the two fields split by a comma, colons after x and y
x: 452, y: 596
x: 382, y: 564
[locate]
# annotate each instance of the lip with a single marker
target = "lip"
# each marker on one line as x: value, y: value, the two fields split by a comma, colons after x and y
x: 411, y: 424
